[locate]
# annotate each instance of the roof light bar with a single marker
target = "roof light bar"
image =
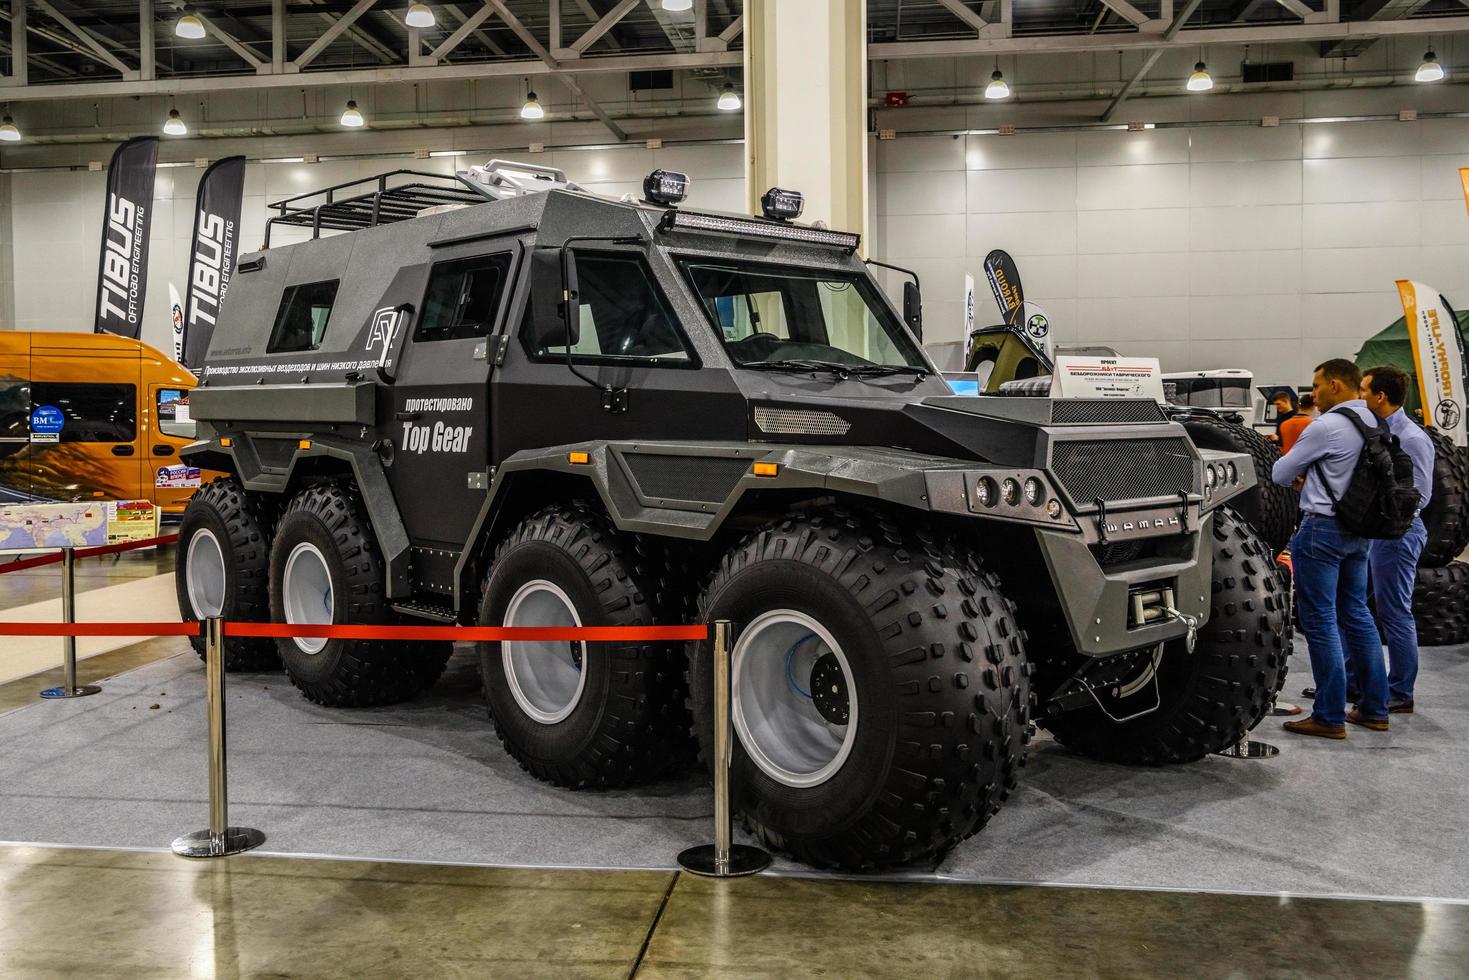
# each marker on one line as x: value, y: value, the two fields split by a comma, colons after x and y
x: 756, y: 228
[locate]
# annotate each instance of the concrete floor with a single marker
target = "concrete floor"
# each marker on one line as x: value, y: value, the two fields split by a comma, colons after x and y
x: 76, y: 911
x: 110, y: 913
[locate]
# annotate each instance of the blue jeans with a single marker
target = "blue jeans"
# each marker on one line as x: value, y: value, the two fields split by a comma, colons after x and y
x: 1330, y: 567
x: 1394, y: 571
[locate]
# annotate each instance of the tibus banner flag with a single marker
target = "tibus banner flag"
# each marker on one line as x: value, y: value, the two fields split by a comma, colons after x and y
x: 212, y: 254
x: 1438, y: 353
x: 122, y: 269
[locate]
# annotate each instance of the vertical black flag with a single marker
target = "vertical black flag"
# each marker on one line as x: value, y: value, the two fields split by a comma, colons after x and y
x: 213, y: 252
x: 1004, y: 279
x: 122, y: 270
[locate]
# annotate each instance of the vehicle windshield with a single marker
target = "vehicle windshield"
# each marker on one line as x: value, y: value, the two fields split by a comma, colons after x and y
x: 768, y: 315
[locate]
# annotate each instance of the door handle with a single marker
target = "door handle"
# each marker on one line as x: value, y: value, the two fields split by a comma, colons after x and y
x: 122, y: 450
x: 162, y: 450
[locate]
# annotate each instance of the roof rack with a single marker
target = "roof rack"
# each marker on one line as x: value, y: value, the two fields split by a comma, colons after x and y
x: 402, y: 194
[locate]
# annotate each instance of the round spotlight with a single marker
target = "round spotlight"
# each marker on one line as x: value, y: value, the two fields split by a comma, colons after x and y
x: 1033, y: 492
x: 1430, y: 70
x: 532, y: 108
x: 678, y: 5
x: 174, y: 124
x: 1010, y: 490
x: 1200, y: 80
x: 8, y: 132
x: 1211, y: 477
x: 985, y: 492
x: 1232, y: 472
x: 352, y: 116
x: 729, y: 99
x: 998, y: 88
x: 419, y: 15
x: 1053, y: 509
x: 189, y: 25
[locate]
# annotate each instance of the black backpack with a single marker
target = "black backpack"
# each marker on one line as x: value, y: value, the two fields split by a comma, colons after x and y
x: 1380, y: 501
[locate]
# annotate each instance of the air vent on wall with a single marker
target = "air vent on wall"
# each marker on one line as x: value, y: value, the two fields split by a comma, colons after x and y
x: 1269, y: 71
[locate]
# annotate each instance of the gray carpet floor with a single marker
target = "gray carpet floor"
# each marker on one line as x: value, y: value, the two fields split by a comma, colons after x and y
x: 1381, y: 814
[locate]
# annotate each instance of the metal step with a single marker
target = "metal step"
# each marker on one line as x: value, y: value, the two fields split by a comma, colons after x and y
x: 424, y: 609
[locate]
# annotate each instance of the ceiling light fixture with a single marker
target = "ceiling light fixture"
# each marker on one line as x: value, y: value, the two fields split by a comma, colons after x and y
x: 532, y: 108
x: 677, y: 6
x: 729, y: 99
x: 8, y: 132
x: 352, y: 116
x: 419, y: 15
x: 189, y: 25
x: 1430, y: 70
x: 1200, y: 80
x: 998, y: 88
x: 174, y: 124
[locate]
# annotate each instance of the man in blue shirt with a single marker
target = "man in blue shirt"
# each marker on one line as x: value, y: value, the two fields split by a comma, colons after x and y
x: 1394, y: 564
x: 1330, y: 562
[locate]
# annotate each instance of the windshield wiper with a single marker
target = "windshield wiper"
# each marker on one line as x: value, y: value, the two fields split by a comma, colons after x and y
x: 836, y: 368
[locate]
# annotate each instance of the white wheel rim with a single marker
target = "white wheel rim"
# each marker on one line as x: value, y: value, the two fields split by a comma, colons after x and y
x: 775, y: 713
x: 547, y: 677
x: 306, y: 588
x: 204, y: 574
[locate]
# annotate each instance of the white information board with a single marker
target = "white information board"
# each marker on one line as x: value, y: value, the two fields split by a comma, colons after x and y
x: 1084, y: 376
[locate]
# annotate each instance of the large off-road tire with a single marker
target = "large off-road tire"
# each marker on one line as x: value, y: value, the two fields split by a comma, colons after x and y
x: 1446, y: 518
x: 1272, y: 510
x: 1441, y: 605
x: 880, y: 692
x: 326, y: 568
x: 578, y: 714
x: 1209, y: 698
x: 222, y: 568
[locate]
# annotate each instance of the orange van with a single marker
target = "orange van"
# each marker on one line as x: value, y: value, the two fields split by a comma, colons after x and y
x: 86, y: 416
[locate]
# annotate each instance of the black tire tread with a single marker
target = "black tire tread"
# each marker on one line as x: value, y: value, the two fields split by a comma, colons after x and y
x: 1441, y: 605
x: 1446, y: 518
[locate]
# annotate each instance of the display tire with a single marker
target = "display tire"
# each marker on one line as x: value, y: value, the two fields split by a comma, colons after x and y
x: 232, y: 526
x: 940, y: 677
x: 1211, y: 697
x: 1441, y: 605
x: 1271, y: 509
x: 1446, y: 517
x: 330, y: 517
x: 629, y: 724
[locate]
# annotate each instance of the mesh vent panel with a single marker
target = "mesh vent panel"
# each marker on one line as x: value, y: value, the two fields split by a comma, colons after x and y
x: 1104, y: 411
x: 707, y: 479
x: 800, y: 422
x: 1119, y: 469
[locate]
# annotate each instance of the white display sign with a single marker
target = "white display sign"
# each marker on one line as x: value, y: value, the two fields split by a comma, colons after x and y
x: 1037, y: 327
x: 968, y: 316
x: 1439, y: 356
x: 1085, y: 376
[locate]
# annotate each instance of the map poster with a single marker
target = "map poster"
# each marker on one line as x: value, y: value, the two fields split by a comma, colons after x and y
x: 42, y: 527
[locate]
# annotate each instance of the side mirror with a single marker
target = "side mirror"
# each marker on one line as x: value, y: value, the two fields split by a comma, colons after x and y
x: 913, y: 308
x: 553, y: 295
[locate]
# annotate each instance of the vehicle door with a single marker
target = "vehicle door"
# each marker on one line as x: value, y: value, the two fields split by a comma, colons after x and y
x: 84, y: 426
x: 169, y: 429
x: 15, y: 422
x: 440, y: 410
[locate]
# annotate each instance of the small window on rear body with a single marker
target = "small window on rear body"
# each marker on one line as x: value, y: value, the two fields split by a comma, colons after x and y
x: 301, y: 320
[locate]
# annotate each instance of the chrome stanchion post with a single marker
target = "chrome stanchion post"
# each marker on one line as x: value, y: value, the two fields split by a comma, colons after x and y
x: 723, y: 858
x: 68, y: 688
x: 220, y: 838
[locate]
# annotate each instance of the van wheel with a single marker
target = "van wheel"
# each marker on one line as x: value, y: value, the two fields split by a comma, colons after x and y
x: 880, y: 694
x: 222, y: 568
x: 571, y: 713
x: 325, y: 568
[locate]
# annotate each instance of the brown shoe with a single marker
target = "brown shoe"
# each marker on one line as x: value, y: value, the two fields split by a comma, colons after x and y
x: 1310, y: 726
x: 1375, y: 724
x: 1399, y: 706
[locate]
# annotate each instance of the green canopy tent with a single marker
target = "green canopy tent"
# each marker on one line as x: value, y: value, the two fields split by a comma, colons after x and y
x: 1393, y: 347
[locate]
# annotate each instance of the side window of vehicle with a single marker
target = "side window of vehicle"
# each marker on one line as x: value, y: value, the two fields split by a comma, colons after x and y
x: 90, y: 412
x: 173, y: 413
x: 301, y: 319
x: 622, y: 314
x: 462, y: 298
x: 15, y: 408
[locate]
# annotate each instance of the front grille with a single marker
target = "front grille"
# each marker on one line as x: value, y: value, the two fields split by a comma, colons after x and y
x: 1104, y: 411
x: 1124, y: 469
x: 707, y: 479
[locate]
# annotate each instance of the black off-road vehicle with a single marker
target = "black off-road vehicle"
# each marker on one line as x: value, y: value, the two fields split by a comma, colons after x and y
x: 503, y: 400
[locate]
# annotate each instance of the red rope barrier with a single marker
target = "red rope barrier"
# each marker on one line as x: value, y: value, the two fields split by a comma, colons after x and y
x: 24, y: 563
x: 93, y: 552
x: 645, y: 634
